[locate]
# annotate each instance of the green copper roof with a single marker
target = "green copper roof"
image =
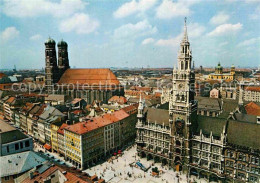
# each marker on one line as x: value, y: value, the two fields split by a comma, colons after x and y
x: 219, y: 66
x: 62, y: 43
x: 49, y: 41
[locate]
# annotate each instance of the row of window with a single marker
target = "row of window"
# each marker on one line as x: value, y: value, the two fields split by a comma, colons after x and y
x: 19, y: 146
x: 243, y: 157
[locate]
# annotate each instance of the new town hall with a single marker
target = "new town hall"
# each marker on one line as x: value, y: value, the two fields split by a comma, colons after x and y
x: 223, y: 148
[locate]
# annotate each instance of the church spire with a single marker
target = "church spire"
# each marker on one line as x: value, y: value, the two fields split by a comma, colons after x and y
x: 185, y: 35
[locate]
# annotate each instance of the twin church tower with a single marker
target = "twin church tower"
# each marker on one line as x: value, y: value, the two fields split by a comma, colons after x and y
x: 54, y: 70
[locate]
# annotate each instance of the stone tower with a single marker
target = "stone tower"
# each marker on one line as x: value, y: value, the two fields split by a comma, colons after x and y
x: 182, y: 107
x: 51, y: 68
x: 63, y: 60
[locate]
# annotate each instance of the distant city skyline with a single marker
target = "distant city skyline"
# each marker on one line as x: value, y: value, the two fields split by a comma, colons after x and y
x: 103, y: 34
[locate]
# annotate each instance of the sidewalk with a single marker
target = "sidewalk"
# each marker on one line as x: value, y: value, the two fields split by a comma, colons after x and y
x: 50, y: 155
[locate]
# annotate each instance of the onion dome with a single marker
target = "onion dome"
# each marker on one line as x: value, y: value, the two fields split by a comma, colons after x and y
x: 219, y: 66
x: 233, y: 67
x: 62, y: 43
x: 49, y: 41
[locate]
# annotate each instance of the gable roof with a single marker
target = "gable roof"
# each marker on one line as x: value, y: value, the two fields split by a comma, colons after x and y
x: 89, y: 76
x: 253, y: 88
x: 97, y: 122
x: 131, y: 109
x: 245, y: 117
x: 209, y: 103
x: 118, y: 99
x: 252, y: 109
x: 230, y: 105
x: 158, y: 116
x: 10, y: 101
x: 243, y: 134
x: 211, y: 124
x: 50, y: 111
x: 9, y: 133
x: 71, y: 177
x: 61, y: 129
x: 55, y: 98
x: 18, y: 163
x: 27, y: 107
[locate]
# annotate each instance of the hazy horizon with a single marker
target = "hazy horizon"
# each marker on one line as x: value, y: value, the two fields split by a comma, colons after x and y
x: 141, y: 33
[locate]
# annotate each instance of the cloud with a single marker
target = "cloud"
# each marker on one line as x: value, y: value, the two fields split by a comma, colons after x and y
x: 142, y: 28
x: 132, y: 7
x: 196, y: 30
x: 9, y: 33
x: 81, y: 23
x: 35, y: 37
x: 226, y: 29
x: 171, y: 42
x: 223, y: 43
x: 169, y: 9
x: 219, y: 18
x: 148, y: 41
x: 250, y: 42
x: 32, y: 8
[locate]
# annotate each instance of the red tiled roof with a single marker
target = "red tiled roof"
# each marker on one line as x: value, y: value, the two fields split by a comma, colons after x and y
x: 61, y: 129
x: 134, y: 93
x: 131, y: 109
x: 89, y: 76
x: 41, y: 110
x: 157, y: 94
x: 27, y: 107
x: 47, y: 146
x: 97, y: 122
x: 76, y: 100
x: 141, y: 88
x: 10, y: 100
x: 253, y: 88
x: 2, y: 75
x: 252, y: 109
x: 40, y: 177
x: 118, y: 99
x: 77, y: 112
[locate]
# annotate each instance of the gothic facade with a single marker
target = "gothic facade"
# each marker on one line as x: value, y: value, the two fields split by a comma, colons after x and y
x: 217, y: 148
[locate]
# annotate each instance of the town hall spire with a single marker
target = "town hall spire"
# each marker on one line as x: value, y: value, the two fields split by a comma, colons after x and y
x: 185, y: 35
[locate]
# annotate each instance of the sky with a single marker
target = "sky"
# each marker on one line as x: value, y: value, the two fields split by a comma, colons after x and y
x: 131, y: 33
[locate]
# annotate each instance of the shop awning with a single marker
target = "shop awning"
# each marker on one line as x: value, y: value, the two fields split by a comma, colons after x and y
x: 47, y: 146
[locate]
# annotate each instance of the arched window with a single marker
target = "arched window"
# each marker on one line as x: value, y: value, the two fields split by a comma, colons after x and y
x: 182, y: 66
x: 178, y: 143
x: 186, y: 65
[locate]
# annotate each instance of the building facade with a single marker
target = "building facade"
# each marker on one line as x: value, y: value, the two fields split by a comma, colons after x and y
x: 250, y: 93
x: 89, y: 84
x: 88, y: 142
x: 13, y: 141
x: 219, y: 75
x: 209, y: 139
